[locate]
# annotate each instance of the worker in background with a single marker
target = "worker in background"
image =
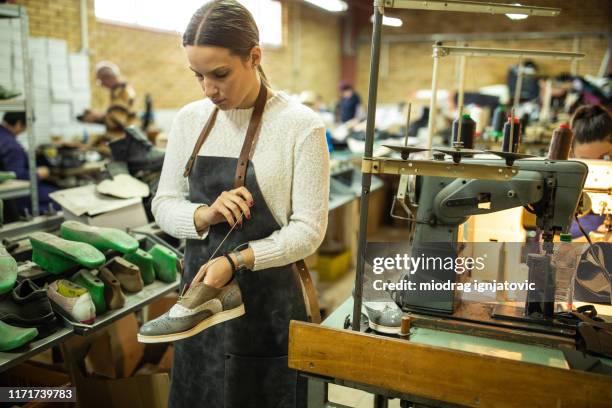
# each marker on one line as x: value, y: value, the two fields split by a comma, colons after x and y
x: 349, y: 106
x: 120, y: 112
x: 592, y: 127
x: 13, y: 157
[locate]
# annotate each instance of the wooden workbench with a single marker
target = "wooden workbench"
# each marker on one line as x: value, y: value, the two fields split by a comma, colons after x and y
x: 439, y: 368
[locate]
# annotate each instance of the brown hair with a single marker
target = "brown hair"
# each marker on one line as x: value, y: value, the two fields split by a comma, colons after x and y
x: 592, y: 123
x: 227, y: 24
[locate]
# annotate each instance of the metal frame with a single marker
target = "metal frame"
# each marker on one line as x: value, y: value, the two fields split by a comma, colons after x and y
x: 468, y: 7
x: 13, y: 11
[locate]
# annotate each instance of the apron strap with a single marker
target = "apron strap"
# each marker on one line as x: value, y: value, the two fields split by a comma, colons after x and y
x: 311, y: 293
x: 243, y: 159
x: 203, y: 135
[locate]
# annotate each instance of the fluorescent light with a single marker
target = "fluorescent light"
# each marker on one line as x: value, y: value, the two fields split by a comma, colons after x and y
x: 334, y: 6
x: 389, y: 21
x: 517, y: 16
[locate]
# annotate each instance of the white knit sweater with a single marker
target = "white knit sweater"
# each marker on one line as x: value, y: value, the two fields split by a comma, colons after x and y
x: 291, y: 161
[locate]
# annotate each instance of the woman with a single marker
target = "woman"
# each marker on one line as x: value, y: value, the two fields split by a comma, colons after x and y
x: 277, y: 215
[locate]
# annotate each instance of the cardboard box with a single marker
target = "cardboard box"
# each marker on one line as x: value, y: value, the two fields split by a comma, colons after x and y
x: 86, y: 205
x: 116, y: 353
x: 142, y: 391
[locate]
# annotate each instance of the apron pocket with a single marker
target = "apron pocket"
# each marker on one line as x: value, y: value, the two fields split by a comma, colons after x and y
x: 259, y: 382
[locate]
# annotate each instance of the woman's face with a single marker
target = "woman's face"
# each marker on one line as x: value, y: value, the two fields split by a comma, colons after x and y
x: 227, y: 79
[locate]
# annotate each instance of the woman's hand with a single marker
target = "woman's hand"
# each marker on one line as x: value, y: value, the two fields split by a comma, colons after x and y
x: 216, y: 273
x: 229, y: 207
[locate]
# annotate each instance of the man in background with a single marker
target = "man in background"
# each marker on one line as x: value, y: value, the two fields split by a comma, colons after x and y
x: 120, y: 112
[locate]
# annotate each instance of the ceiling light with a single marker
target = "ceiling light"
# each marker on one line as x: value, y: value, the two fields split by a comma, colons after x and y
x: 334, y: 6
x: 389, y: 21
x: 512, y: 16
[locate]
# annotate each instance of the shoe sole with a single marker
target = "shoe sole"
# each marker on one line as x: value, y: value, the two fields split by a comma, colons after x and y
x: 203, y: 325
x: 383, y: 329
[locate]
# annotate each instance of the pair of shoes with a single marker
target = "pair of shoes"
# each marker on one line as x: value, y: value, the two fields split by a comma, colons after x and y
x: 137, y: 151
x: 72, y: 300
x: 8, y: 271
x: 101, y: 238
x: 57, y: 255
x: 126, y: 273
x: 165, y: 263
x: 201, y: 307
x: 12, y: 337
x: 27, y: 305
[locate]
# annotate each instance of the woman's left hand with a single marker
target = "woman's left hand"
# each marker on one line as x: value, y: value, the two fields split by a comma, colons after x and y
x: 217, y: 272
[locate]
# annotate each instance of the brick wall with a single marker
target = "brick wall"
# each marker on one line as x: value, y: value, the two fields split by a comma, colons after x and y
x: 409, y: 64
x: 154, y: 61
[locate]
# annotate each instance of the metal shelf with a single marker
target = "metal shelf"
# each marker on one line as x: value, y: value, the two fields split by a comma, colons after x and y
x: 12, y: 105
x: 133, y: 303
x: 446, y: 51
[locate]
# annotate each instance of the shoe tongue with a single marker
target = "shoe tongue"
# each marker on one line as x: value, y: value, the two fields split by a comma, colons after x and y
x: 69, y: 289
x: 197, y: 294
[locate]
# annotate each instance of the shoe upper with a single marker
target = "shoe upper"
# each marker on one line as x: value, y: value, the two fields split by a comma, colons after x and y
x: 27, y: 304
x: 73, y: 299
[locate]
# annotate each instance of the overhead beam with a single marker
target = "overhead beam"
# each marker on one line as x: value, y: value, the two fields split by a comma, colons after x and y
x: 468, y: 7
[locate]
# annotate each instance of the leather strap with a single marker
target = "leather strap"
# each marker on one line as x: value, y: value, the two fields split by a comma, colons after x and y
x: 243, y: 159
x: 241, y: 168
x: 311, y: 292
x: 203, y: 135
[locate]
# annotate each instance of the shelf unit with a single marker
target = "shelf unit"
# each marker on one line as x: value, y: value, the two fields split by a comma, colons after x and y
x: 24, y: 103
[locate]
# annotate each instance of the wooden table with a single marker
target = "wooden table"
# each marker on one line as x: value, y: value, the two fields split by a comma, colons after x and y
x: 438, y: 368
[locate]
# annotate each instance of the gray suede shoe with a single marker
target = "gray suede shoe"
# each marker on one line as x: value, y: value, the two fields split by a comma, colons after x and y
x: 383, y: 317
x: 201, y: 307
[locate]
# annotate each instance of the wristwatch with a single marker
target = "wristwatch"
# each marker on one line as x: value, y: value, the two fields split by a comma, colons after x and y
x: 241, y: 263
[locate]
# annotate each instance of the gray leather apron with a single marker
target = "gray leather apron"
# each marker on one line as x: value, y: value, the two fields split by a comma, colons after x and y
x: 241, y: 363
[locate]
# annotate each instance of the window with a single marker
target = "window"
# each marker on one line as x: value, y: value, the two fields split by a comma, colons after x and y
x: 174, y: 15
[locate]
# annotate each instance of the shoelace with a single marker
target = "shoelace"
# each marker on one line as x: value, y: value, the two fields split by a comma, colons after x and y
x: 215, y: 251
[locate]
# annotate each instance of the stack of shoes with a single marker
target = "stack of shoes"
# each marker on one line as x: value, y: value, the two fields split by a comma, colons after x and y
x: 201, y: 307
x: 58, y: 255
x: 126, y: 273
x: 72, y: 300
x: 101, y: 238
x: 25, y: 313
x: 144, y: 261
x: 165, y: 262
x: 8, y: 271
x: 113, y: 296
x: 94, y: 286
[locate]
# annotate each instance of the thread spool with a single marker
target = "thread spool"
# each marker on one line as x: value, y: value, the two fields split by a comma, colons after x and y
x: 499, y: 118
x: 560, y: 143
x: 405, y: 327
x: 468, y: 129
x: 512, y: 141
